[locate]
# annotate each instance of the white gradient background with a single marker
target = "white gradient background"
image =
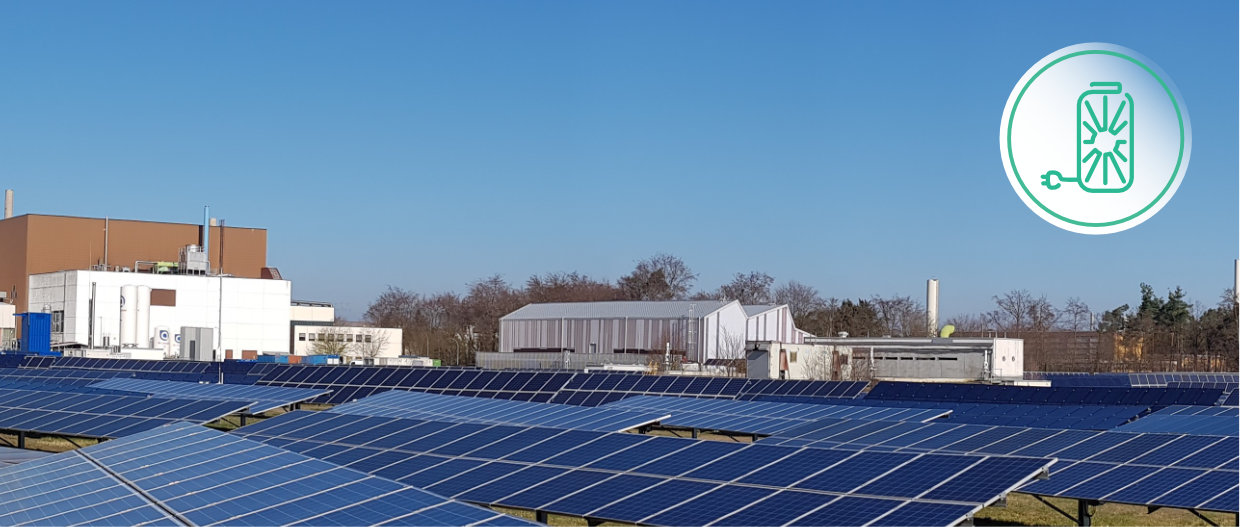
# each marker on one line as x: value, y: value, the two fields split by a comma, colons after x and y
x: 1044, y: 138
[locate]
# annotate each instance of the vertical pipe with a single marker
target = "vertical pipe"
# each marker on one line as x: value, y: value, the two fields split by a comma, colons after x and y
x: 206, y: 234
x: 90, y: 337
x: 932, y: 307
x: 8, y: 204
x: 105, y: 243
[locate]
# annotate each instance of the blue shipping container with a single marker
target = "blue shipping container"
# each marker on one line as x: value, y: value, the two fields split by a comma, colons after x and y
x: 36, y: 332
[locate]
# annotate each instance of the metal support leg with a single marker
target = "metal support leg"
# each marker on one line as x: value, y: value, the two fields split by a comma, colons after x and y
x: 540, y: 517
x: 1084, y: 515
x: 695, y: 433
x: 21, y: 440
x: 1053, y: 507
x: 1203, y: 518
x: 242, y: 419
x: 593, y: 522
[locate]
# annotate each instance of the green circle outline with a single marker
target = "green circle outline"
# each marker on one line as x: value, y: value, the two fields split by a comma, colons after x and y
x: 1012, y: 117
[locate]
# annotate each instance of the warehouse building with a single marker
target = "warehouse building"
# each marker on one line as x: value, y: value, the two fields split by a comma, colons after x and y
x: 699, y: 331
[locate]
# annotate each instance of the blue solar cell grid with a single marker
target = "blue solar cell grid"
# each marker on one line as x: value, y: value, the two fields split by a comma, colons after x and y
x: 186, y: 474
x: 626, y: 477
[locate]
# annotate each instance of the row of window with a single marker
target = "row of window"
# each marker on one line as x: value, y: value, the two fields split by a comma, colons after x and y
x: 333, y: 337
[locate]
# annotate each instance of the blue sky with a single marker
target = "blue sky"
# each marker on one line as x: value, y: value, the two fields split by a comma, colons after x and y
x: 852, y: 146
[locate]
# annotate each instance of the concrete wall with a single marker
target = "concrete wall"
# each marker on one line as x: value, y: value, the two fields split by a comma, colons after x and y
x: 312, y: 313
x: 389, y: 340
x: 804, y: 361
x: 247, y: 314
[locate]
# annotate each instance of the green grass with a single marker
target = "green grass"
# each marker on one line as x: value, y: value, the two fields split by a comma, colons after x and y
x: 1023, y: 509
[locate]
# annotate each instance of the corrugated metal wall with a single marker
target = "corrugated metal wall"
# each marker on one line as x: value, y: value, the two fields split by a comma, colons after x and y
x: 599, y: 335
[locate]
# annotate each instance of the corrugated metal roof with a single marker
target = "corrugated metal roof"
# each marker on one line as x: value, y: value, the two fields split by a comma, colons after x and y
x: 758, y: 309
x: 607, y: 310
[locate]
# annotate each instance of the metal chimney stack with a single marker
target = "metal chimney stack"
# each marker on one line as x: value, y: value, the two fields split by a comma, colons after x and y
x: 8, y: 204
x: 932, y: 307
x: 206, y: 234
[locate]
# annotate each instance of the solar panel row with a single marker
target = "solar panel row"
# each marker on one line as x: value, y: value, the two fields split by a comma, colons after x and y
x: 653, y: 480
x: 65, y: 377
x: 262, y: 398
x: 183, y: 474
x: 1087, y: 417
x: 1196, y: 464
x: 101, y: 415
x: 13, y: 456
x: 417, y: 405
x: 584, y: 389
x: 982, y: 393
x: 759, y: 417
x: 1065, y: 379
x: 1184, y: 424
x: 1232, y: 399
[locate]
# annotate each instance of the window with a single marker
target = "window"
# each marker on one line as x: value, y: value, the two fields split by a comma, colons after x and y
x: 321, y: 337
x: 301, y: 337
x: 359, y: 338
x: 312, y: 337
x: 348, y: 338
x: 58, y: 321
x: 368, y: 339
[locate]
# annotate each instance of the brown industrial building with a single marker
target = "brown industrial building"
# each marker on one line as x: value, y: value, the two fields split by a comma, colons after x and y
x: 36, y: 243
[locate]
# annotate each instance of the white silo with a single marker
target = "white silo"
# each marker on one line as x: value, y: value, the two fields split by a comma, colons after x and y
x: 129, y: 316
x: 143, y: 317
x: 932, y: 307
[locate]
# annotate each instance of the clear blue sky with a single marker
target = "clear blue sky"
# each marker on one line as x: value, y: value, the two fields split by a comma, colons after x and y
x: 852, y: 146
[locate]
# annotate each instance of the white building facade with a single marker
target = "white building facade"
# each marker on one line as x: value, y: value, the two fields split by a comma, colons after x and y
x: 361, y: 342
x: 700, y: 330
x: 244, y: 314
x: 772, y: 323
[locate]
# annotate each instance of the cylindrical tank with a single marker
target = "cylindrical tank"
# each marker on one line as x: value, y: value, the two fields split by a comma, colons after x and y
x: 163, y: 340
x: 129, y: 316
x: 932, y: 307
x: 143, y: 317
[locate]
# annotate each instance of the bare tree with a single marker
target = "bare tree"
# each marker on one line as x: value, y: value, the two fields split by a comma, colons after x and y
x: 816, y: 364
x: 900, y: 316
x: 369, y: 342
x: 752, y: 288
x: 970, y: 323
x: 1075, y: 315
x: 731, y: 350
x: 1019, y: 310
x: 569, y: 287
x: 660, y: 277
x: 329, y: 340
x: 801, y: 299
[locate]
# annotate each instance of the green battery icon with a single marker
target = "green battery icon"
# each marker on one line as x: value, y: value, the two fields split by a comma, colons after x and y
x: 1104, y: 143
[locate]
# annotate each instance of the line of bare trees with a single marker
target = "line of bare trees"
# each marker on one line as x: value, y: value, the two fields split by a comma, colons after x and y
x: 450, y: 326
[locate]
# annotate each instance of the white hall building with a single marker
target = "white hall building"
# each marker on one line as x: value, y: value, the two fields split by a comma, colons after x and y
x: 701, y: 330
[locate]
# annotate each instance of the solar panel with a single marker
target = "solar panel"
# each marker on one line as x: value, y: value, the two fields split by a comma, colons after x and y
x: 101, y: 415
x: 13, y: 456
x: 398, y: 403
x: 1088, y: 460
x: 183, y: 474
x: 629, y: 478
x: 1218, y: 425
x: 761, y: 417
x: 262, y: 398
x: 984, y: 393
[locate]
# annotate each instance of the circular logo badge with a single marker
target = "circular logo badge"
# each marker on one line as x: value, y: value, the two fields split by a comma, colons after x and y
x: 1095, y: 138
